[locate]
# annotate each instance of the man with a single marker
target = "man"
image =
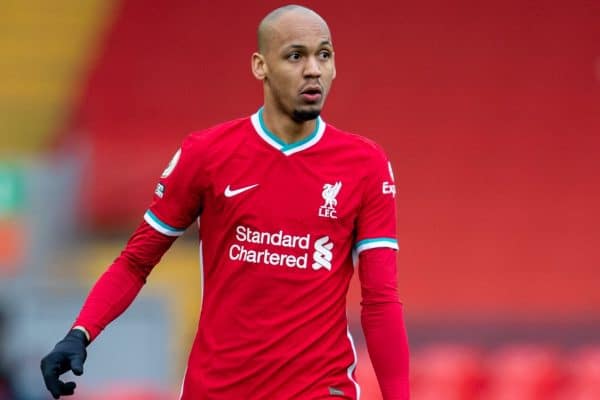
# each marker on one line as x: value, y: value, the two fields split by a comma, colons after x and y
x: 282, y: 200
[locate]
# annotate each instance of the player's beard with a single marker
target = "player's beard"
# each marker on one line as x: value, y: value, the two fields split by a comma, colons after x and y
x: 305, y: 115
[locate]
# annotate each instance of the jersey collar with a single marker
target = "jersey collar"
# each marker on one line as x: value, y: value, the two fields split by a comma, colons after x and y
x: 286, y: 148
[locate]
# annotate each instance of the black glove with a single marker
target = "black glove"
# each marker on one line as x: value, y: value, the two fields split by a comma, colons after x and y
x: 68, y: 354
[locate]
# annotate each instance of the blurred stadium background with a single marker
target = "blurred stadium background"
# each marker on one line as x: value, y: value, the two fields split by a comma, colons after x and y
x: 489, y: 111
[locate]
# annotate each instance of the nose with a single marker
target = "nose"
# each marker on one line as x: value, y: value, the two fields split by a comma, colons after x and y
x: 312, y: 68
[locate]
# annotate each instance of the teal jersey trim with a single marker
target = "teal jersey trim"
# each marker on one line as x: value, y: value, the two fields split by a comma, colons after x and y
x: 271, y: 135
x: 287, y: 146
x: 374, y: 243
x: 366, y: 241
x: 166, y: 227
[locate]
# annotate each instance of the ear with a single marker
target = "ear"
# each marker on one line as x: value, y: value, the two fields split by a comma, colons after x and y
x: 259, y: 66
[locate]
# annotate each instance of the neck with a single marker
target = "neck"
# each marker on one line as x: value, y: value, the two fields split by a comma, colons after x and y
x: 284, y: 127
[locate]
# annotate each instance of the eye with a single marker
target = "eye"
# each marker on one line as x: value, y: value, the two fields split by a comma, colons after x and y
x: 324, y: 54
x: 294, y: 56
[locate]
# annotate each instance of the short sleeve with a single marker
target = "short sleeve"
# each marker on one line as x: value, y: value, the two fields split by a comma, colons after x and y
x: 376, y: 225
x: 178, y: 197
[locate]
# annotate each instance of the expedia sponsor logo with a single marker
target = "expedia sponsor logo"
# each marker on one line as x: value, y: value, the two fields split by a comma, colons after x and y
x: 388, y: 188
x: 280, y: 249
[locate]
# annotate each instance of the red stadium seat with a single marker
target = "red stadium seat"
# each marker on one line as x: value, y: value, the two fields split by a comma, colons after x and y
x: 524, y: 372
x: 448, y: 372
x: 584, y: 373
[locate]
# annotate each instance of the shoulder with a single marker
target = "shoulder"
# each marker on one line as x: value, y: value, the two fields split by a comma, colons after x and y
x: 216, y: 136
x: 361, y: 146
x: 199, y: 149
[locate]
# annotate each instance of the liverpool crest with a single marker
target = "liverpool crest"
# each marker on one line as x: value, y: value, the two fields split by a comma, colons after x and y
x: 330, y: 192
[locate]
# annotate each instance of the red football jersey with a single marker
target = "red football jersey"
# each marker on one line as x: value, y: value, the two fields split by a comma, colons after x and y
x: 278, y: 226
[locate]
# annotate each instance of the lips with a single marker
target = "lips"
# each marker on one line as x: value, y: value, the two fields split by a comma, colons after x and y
x: 311, y: 93
x: 311, y: 89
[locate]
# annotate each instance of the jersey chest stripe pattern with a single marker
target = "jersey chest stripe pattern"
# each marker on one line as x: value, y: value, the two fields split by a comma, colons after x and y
x: 373, y: 243
x: 160, y: 226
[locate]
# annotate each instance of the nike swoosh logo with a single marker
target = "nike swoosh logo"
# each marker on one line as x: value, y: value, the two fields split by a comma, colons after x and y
x: 230, y: 193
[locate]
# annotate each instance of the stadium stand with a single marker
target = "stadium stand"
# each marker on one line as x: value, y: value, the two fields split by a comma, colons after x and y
x: 525, y: 372
x: 583, y: 371
x: 489, y: 112
x: 447, y: 371
x: 46, y: 50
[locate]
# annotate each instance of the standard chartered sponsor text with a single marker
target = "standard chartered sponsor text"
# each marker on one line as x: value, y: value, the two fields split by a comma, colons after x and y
x: 238, y: 252
x: 243, y: 234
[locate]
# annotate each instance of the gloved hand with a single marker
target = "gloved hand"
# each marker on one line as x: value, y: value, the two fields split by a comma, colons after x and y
x: 68, y: 354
